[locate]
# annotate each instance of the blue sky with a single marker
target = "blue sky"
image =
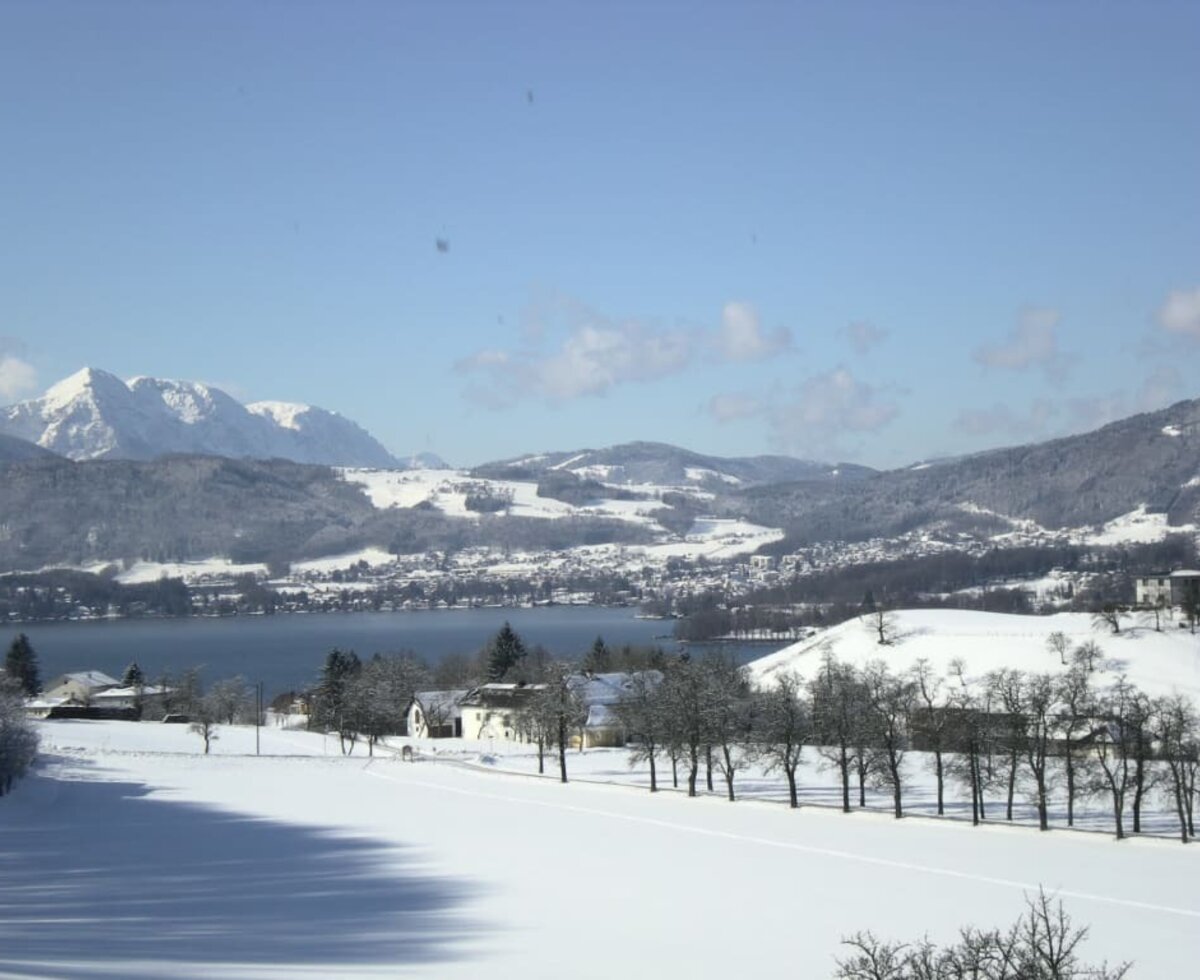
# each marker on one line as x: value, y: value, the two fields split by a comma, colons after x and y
x: 875, y: 232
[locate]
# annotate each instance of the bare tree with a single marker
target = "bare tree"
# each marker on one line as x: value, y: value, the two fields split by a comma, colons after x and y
x: 890, y: 700
x: 1008, y: 687
x: 1109, y: 616
x: 1076, y: 713
x: 882, y: 624
x: 1040, y: 713
x: 1058, y: 642
x: 972, y: 732
x: 931, y: 722
x: 685, y: 701
x: 378, y: 695
x: 838, y: 707
x: 729, y: 717
x: 229, y: 698
x: 784, y: 726
x: 204, y: 720
x: 1141, y: 749
x: 1178, y: 733
x: 1042, y: 945
x: 1113, y: 748
x: 560, y: 704
x: 642, y: 716
x: 1088, y: 655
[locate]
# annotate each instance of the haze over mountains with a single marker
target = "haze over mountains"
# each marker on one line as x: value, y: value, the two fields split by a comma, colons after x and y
x: 95, y: 415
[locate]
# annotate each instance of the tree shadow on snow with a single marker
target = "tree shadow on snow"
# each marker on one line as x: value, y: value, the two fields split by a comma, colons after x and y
x: 98, y: 875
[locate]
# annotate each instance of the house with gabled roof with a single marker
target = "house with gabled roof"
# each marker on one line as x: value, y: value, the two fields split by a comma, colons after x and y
x: 436, y: 714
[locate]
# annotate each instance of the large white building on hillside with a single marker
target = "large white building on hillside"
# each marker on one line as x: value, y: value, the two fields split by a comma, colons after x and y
x: 1178, y: 588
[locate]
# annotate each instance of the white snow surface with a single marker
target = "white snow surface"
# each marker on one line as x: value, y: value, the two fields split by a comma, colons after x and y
x: 374, y: 557
x: 189, y: 571
x: 93, y: 415
x: 130, y: 854
x: 1158, y: 662
x: 1136, y: 527
x: 447, y: 490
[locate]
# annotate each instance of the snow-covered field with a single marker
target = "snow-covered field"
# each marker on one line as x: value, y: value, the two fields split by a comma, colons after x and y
x: 1158, y: 662
x: 130, y: 854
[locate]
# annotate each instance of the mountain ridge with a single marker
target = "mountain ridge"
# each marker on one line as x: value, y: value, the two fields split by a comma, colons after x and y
x: 93, y: 414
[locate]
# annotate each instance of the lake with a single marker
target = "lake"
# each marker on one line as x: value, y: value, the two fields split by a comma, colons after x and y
x: 286, y: 652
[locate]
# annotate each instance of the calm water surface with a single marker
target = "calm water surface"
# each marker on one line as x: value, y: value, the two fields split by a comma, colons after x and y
x: 286, y: 652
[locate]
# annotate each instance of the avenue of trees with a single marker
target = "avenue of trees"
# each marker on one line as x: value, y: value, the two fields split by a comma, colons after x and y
x: 1019, y: 737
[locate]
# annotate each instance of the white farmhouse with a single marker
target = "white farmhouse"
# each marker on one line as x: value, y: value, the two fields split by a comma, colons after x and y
x: 436, y: 714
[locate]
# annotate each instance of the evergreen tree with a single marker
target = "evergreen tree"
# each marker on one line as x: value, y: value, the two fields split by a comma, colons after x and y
x: 22, y: 666
x: 332, y: 694
x: 133, y: 676
x: 505, y: 652
x: 599, y: 657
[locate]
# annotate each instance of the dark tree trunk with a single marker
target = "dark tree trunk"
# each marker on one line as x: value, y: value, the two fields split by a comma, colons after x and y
x: 653, y: 773
x: 1012, y: 785
x: 1070, y: 765
x: 1139, y: 788
x: 844, y: 766
x: 562, y: 750
x: 793, y: 800
x: 896, y: 789
x: 941, y: 797
x: 708, y: 766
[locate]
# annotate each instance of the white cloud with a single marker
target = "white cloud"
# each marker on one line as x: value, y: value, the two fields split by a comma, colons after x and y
x: 17, y: 378
x: 570, y: 351
x: 1033, y: 342
x: 1181, y: 312
x: 733, y: 406
x: 741, y: 337
x: 862, y: 336
x: 814, y: 418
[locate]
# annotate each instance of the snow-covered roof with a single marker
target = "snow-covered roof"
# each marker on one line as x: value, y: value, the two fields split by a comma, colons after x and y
x: 433, y: 702
x: 1185, y: 573
x: 88, y: 678
x: 606, y: 688
x: 149, y: 690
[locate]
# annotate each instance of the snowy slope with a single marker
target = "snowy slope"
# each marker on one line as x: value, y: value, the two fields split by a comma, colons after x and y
x: 95, y: 415
x: 1157, y: 662
x: 135, y: 856
x: 447, y: 491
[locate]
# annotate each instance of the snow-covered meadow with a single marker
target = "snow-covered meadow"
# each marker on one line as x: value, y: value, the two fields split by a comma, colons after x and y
x: 128, y: 853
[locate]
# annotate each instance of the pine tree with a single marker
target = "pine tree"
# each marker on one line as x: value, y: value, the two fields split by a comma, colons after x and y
x: 22, y: 666
x: 505, y: 652
x: 133, y: 676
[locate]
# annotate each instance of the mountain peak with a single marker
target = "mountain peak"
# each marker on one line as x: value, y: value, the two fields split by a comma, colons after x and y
x: 93, y: 415
x: 80, y: 383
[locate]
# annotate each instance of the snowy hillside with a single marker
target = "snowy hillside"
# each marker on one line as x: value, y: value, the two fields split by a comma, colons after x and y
x: 660, y: 463
x: 95, y: 415
x: 1157, y: 662
x: 302, y: 862
x: 448, y: 492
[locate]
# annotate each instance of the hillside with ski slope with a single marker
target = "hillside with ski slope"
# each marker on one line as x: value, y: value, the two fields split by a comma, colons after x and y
x: 302, y: 862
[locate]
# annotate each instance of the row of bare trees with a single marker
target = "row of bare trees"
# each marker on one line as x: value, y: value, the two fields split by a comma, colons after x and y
x: 1020, y: 735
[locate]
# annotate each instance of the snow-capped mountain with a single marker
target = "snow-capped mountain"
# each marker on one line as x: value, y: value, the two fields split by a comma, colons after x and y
x: 95, y: 415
